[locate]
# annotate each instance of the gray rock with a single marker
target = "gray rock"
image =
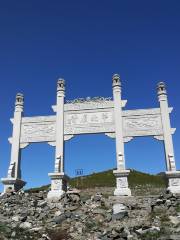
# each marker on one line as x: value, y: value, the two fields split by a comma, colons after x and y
x: 58, y: 213
x: 119, y: 211
x: 16, y: 218
x: 97, y: 218
x: 59, y: 219
x: 175, y: 219
x: 108, y: 217
x: 120, y: 215
x: 13, y: 234
x: 72, y: 208
x: 25, y: 225
x: 145, y: 230
x: 99, y: 211
x: 68, y: 214
x: 174, y: 237
x: 119, y: 207
x: 42, y: 204
x: 97, y: 197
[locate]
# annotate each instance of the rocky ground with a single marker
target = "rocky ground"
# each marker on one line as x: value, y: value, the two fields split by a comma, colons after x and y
x: 83, y: 216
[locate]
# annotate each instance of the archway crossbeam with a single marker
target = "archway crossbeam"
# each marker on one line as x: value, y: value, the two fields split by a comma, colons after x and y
x: 136, y: 123
x: 87, y: 116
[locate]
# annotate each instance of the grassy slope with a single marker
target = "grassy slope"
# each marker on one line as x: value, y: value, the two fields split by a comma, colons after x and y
x: 107, y: 179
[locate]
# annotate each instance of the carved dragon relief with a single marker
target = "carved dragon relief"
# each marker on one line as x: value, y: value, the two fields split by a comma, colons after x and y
x: 89, y: 99
x: 143, y: 123
x: 38, y: 132
x: 143, y: 112
x: 89, y: 103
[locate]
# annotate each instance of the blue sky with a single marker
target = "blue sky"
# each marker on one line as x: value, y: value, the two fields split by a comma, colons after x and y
x: 85, y: 42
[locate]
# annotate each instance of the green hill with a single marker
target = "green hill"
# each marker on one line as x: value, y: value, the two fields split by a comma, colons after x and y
x: 107, y: 179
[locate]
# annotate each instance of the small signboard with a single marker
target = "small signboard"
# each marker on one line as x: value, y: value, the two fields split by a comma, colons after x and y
x: 79, y: 172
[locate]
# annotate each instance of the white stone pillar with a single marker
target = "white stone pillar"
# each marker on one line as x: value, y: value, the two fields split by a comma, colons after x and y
x: 168, y: 143
x: 58, y: 178
x: 59, y: 155
x: 13, y: 180
x: 121, y: 173
x: 171, y: 173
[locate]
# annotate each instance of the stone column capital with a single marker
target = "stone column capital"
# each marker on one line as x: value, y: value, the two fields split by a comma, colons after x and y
x: 60, y: 87
x: 116, y: 82
x: 19, y: 103
x: 161, y: 91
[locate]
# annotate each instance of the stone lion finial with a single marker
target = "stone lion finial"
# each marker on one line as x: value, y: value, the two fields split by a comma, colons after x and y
x: 61, y: 84
x: 161, y: 88
x: 19, y: 99
x: 116, y: 80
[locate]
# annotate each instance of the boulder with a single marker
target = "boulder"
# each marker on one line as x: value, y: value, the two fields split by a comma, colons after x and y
x: 25, y: 225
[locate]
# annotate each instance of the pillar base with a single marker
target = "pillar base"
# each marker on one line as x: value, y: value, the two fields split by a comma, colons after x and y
x: 12, y: 184
x: 58, y: 185
x: 173, y: 181
x: 122, y: 188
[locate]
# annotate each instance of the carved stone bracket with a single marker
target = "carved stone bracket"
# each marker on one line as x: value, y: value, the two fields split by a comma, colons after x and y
x: 68, y: 137
x: 24, y: 145
x: 53, y: 144
x: 159, y: 137
x: 127, y: 139
x: 111, y: 135
x: 173, y: 130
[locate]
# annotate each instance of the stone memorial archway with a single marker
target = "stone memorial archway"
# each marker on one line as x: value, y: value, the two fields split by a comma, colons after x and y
x: 87, y: 116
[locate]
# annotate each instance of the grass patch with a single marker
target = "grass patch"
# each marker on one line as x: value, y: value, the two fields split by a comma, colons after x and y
x: 151, y: 236
x: 107, y: 179
x: 177, y: 208
x: 4, y: 228
x: 5, y: 231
